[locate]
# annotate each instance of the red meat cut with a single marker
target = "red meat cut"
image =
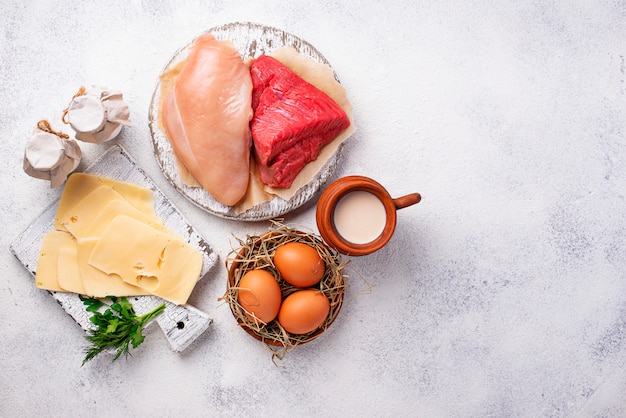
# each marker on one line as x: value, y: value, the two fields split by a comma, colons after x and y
x: 292, y: 121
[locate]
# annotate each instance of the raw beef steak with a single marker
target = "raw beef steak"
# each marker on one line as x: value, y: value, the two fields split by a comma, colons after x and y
x: 292, y: 121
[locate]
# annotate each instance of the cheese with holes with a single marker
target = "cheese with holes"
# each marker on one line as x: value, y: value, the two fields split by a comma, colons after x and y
x: 154, y: 260
x: 108, y: 241
x: 96, y: 282
x: 80, y: 185
x: 63, y: 267
x: 77, y: 219
x: 90, y: 216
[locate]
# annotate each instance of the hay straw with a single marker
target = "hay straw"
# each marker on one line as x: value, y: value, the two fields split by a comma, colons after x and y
x: 256, y: 252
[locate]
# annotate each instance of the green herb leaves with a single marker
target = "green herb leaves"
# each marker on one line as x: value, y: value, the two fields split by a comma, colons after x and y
x: 118, y: 327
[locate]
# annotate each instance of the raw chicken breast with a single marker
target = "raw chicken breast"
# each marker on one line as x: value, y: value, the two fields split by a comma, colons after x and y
x: 207, y: 118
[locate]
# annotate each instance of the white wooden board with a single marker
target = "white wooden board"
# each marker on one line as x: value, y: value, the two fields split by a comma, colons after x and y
x: 181, y: 324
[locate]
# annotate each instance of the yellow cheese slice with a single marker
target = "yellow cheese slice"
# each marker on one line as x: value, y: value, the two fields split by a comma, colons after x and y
x: 106, y: 214
x: 96, y: 282
x: 91, y: 215
x: 79, y: 218
x: 79, y: 185
x: 157, y: 261
x: 48, y: 263
x: 68, y: 270
x: 109, y: 242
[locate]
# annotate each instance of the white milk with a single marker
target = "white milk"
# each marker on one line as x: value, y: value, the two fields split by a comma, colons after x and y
x: 360, y: 217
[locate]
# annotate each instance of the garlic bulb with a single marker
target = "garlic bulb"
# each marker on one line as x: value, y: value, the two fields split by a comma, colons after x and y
x: 50, y: 155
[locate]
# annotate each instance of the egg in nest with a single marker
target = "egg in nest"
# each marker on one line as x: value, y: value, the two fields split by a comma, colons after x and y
x: 259, y: 295
x: 299, y: 264
x: 304, y: 311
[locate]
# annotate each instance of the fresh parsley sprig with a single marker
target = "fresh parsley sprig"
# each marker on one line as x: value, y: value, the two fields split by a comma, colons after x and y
x: 117, y: 327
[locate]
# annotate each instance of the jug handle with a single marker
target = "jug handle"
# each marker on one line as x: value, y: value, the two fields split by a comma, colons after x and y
x: 408, y: 200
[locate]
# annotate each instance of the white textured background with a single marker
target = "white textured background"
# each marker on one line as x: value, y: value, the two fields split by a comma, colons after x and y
x: 502, y: 294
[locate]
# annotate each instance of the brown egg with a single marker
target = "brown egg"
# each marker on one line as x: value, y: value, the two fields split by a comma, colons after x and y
x: 259, y: 295
x: 303, y: 311
x: 299, y: 264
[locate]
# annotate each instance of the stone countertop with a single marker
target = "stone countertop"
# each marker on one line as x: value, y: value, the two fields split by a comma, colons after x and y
x: 503, y: 293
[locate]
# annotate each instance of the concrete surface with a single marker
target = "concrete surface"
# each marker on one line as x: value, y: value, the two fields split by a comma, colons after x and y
x: 502, y: 294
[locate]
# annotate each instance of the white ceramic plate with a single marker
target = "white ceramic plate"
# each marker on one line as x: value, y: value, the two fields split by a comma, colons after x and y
x: 251, y: 40
x: 181, y: 324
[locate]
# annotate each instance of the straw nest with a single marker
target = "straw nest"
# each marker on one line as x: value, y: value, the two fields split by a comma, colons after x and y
x: 257, y: 252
